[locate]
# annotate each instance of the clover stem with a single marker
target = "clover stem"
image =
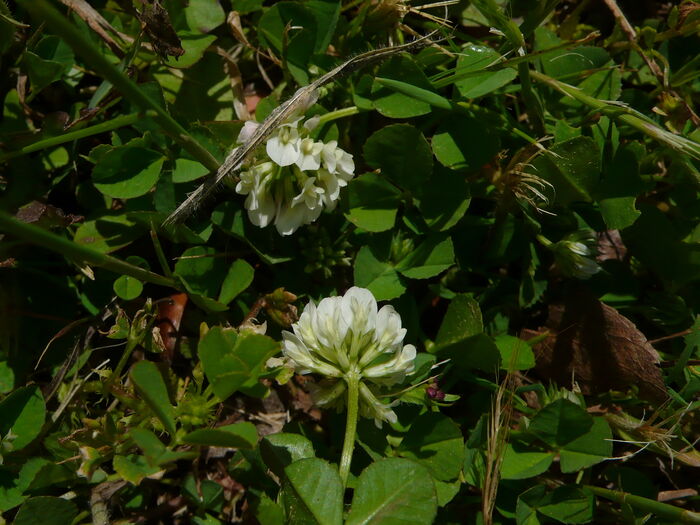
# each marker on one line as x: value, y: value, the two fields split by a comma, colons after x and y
x: 337, y: 114
x: 353, y: 382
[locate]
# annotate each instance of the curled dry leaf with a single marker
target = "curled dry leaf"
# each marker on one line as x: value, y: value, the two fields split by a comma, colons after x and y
x: 598, y: 348
x: 46, y: 215
x: 156, y: 23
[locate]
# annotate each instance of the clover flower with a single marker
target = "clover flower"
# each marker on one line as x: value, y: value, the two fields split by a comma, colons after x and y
x: 295, y: 178
x: 347, y: 339
x: 575, y: 254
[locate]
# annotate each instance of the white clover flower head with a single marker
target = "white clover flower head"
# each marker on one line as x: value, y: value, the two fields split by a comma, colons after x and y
x: 295, y: 179
x: 575, y: 254
x: 348, y: 337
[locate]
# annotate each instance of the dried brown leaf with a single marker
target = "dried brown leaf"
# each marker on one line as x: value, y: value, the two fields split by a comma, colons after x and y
x: 155, y: 21
x: 595, y: 346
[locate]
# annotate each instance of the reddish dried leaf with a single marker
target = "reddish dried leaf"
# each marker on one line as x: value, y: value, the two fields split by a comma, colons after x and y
x: 598, y: 348
x: 169, y: 318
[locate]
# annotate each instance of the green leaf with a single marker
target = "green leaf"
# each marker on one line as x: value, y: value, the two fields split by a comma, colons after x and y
x: 282, y: 449
x: 604, y: 85
x: 133, y: 468
x: 22, y: 413
x: 393, y: 491
x: 246, y: 6
x: 592, y: 447
x: 231, y: 361
x: 108, y: 233
x: 127, y: 287
x: 560, y: 422
x: 155, y: 451
x: 266, y: 511
x: 150, y: 385
x: 567, y: 62
x: 125, y: 172
x: 377, y: 276
x: 204, y: 15
x: 312, y: 493
x: 516, y: 354
x: 433, y: 256
x: 462, y: 321
x: 392, y: 103
x: 523, y: 464
x: 474, y: 58
x: 297, y: 45
x: 619, y: 188
x: 187, y: 170
x: 237, y: 435
x: 48, y: 62
x: 327, y: 13
x: 202, y: 270
x: 14, y: 488
x: 46, y: 510
x: 372, y: 203
x: 206, y: 494
x: 7, y: 378
x: 435, y: 441
x: 238, y: 278
x: 41, y: 72
x: 195, y: 45
x: 465, y: 142
x: 565, y: 505
x: 569, y: 505
x: 403, y: 155
x: 573, y: 168
x: 443, y: 199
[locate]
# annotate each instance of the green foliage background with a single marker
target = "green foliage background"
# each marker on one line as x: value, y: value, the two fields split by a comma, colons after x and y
x: 526, y: 127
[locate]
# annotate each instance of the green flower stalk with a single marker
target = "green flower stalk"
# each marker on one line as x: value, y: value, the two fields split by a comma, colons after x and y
x: 358, y: 349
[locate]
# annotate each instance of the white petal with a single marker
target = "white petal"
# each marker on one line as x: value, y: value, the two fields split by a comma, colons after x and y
x: 247, y: 131
x: 282, y: 153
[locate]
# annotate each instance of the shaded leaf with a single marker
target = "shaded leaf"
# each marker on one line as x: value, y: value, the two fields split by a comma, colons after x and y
x: 403, y: 155
x: 46, y: 510
x: 22, y: 413
x: 150, y: 385
x: 435, y: 441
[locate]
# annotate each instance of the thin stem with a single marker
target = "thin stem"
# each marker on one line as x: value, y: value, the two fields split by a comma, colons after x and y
x: 543, y: 240
x: 533, y: 104
x: 73, y: 250
x: 662, y: 510
x: 353, y: 382
x: 115, y: 123
x: 338, y: 114
x: 44, y: 11
x: 160, y: 254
